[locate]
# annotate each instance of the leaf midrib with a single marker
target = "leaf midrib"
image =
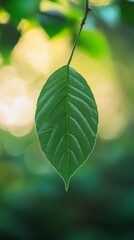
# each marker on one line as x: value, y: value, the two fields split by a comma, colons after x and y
x: 67, y: 109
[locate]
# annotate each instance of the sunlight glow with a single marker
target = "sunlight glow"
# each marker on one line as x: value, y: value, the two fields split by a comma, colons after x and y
x: 23, y: 25
x: 47, y: 5
x: 4, y: 17
x: 33, y: 49
x: 100, y: 2
x: 16, y: 106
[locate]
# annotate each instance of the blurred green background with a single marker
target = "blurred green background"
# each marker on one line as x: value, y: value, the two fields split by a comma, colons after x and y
x: 36, y: 37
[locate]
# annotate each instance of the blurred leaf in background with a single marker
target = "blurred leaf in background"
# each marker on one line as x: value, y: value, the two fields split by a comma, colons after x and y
x: 53, y: 22
x: 89, y: 43
x: 9, y: 37
x: 19, y: 9
x: 36, y: 37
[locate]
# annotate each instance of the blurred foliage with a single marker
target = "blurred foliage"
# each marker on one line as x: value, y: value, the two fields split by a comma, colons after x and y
x: 19, y: 9
x: 53, y: 22
x: 8, y: 43
x: 127, y: 10
x: 100, y: 201
x: 89, y: 43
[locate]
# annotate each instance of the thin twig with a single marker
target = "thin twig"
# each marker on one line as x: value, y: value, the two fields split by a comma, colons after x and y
x: 87, y: 10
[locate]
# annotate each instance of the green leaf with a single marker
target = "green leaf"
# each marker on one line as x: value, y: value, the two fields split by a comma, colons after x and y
x: 19, y: 9
x: 127, y: 12
x: 66, y: 121
x: 53, y: 22
x: 94, y: 43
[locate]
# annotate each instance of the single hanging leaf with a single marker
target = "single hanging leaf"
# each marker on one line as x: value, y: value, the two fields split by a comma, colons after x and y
x: 66, y: 121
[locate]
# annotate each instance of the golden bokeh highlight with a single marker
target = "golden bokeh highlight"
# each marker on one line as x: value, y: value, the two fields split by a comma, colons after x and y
x: 101, y: 2
x: 48, y: 6
x: 16, y: 106
x: 33, y: 49
x: 4, y: 16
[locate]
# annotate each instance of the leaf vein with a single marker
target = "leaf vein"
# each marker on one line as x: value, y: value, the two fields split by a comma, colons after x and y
x: 49, y: 112
x: 82, y: 93
x: 84, y: 103
x: 84, y: 118
x: 56, y: 125
x: 51, y: 89
x: 76, y: 140
x: 76, y: 122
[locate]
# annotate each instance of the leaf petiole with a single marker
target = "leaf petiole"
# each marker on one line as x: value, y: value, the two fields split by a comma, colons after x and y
x: 87, y: 10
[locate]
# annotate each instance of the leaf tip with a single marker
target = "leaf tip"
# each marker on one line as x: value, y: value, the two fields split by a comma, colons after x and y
x: 66, y: 186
